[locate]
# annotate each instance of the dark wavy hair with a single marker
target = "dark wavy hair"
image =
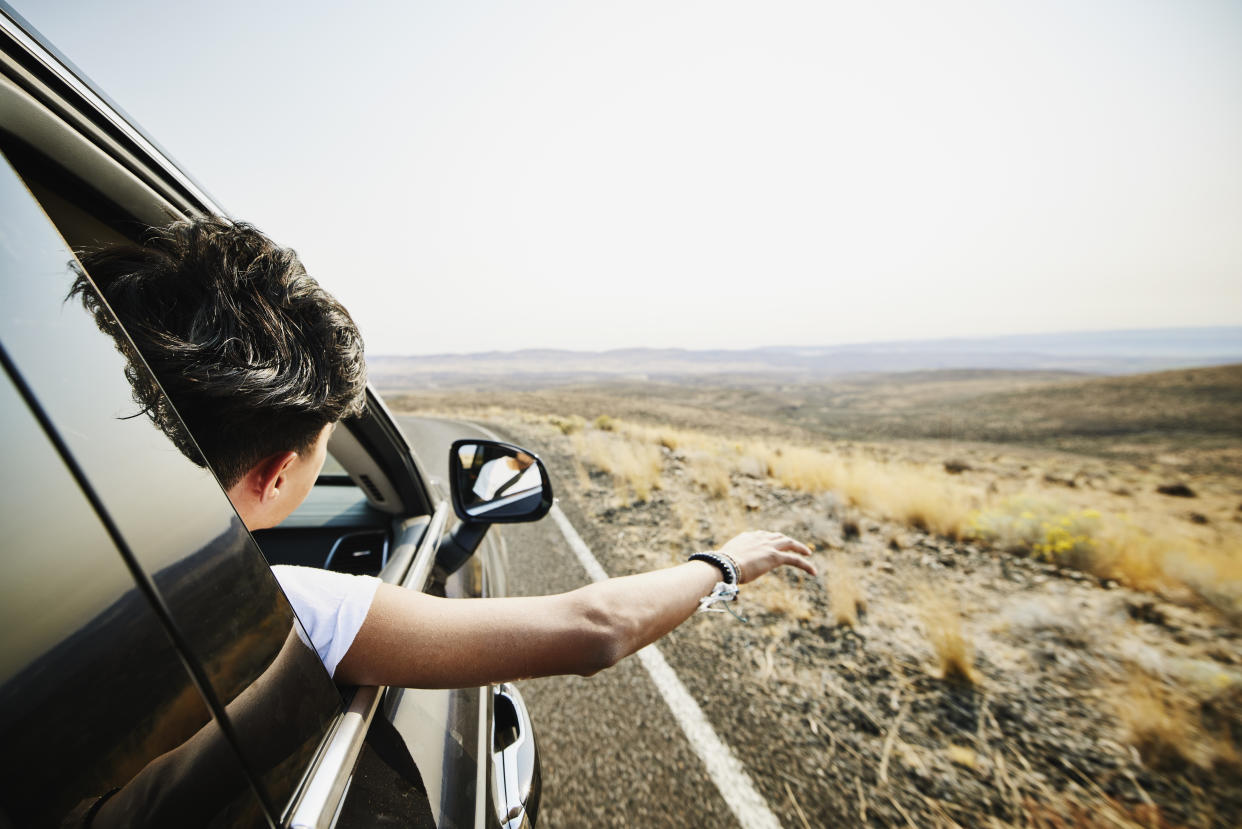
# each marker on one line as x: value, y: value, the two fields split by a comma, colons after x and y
x: 254, y: 355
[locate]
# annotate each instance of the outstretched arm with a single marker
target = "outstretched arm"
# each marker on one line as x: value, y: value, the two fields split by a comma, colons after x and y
x: 414, y: 640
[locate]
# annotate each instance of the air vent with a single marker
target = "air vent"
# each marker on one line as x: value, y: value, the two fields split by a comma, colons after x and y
x: 371, y: 489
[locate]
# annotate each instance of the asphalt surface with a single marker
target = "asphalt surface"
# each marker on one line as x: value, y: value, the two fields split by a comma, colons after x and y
x: 611, y: 751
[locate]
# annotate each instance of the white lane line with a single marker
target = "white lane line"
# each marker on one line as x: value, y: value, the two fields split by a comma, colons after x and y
x: 731, y: 779
x: 735, y: 785
x: 581, y: 550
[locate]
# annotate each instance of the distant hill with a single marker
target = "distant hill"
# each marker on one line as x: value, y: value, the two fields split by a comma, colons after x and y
x: 1203, y: 402
x: 1096, y: 352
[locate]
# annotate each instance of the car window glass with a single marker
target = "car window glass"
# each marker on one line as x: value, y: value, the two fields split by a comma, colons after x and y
x: 96, y: 708
x: 182, y: 531
x: 332, y: 470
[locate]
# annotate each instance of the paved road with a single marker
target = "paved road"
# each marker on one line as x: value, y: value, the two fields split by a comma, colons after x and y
x: 612, y: 753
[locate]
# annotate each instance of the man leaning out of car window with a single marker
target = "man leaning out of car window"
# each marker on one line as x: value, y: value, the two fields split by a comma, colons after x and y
x: 261, y: 363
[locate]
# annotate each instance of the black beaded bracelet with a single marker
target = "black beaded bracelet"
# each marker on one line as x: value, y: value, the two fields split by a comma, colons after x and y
x: 726, y: 565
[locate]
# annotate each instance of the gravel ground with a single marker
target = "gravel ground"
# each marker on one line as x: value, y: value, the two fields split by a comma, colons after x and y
x: 853, y: 725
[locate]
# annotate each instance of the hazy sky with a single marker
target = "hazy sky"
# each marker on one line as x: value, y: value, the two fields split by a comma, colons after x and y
x: 469, y: 176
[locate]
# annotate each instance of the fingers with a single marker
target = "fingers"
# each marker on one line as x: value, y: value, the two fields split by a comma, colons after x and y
x: 788, y: 544
x: 792, y: 553
x: 785, y: 543
x: 759, y: 551
x: 801, y: 563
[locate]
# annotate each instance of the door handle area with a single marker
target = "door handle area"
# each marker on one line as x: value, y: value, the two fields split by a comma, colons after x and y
x: 515, y: 759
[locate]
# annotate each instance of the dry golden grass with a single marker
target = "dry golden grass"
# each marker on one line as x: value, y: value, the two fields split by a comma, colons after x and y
x: 1165, y: 726
x: 710, y: 472
x: 1155, y: 550
x: 1158, y: 555
x: 776, y: 595
x: 687, y: 521
x: 921, y: 497
x: 727, y: 519
x: 803, y: 469
x: 1166, y: 558
x: 568, y: 425
x: 927, y: 499
x: 942, y: 624
x: 962, y: 756
x: 845, y: 596
x: 635, y: 467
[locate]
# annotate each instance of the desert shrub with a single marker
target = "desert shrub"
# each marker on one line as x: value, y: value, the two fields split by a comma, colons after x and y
x: 1015, y: 524
x: 1042, y: 529
x: 568, y: 425
x: 604, y: 423
x: 751, y: 466
x: 850, y: 527
x: 1070, y: 539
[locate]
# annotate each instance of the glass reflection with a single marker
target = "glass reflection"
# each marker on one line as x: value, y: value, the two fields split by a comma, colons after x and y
x: 492, y: 476
x: 185, y: 536
x: 97, y: 713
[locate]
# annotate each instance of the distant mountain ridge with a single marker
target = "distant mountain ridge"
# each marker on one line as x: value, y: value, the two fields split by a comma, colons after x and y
x: 1093, y: 352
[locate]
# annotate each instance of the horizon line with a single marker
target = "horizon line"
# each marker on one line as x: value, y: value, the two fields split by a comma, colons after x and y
x: 1237, y: 329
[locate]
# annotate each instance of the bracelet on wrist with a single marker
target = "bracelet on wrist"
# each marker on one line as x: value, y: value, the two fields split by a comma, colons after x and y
x: 728, y: 567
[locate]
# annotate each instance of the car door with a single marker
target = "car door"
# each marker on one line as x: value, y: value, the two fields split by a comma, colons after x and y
x: 107, y: 716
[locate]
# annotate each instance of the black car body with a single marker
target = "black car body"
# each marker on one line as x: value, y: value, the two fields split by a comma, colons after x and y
x: 152, y: 671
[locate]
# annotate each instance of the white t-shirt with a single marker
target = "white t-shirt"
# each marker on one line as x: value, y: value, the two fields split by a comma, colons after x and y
x: 499, y: 471
x: 331, y: 606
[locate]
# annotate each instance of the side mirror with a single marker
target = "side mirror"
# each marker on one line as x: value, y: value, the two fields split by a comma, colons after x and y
x: 491, y: 483
x: 495, y: 483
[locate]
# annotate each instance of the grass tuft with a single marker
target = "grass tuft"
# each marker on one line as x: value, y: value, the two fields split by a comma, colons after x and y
x: 711, y: 473
x: 1166, y: 728
x: 635, y: 467
x: 845, y: 596
x: 942, y: 623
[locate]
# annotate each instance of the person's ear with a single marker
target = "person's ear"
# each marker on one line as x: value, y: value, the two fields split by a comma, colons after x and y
x: 269, y: 475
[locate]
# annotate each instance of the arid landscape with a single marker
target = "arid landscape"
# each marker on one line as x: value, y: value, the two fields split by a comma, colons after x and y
x: 1029, y: 611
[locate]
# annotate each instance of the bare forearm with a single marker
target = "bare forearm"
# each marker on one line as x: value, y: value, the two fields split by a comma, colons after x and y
x: 637, y: 610
x: 415, y: 640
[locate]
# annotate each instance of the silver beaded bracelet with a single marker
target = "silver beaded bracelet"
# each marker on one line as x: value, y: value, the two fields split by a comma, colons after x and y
x: 725, y: 591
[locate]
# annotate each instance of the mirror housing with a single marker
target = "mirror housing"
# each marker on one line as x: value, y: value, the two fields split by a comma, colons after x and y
x: 491, y: 483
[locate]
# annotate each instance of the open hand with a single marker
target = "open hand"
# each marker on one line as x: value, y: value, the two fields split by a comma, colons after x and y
x: 759, y: 551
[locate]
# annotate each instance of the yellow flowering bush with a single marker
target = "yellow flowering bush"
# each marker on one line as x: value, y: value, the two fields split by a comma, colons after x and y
x: 1042, y: 529
x: 1069, y: 539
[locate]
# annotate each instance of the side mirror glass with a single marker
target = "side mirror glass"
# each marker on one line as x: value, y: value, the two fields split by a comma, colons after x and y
x: 493, y: 482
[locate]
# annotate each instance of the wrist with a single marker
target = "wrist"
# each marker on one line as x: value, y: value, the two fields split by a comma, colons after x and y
x: 729, y: 571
